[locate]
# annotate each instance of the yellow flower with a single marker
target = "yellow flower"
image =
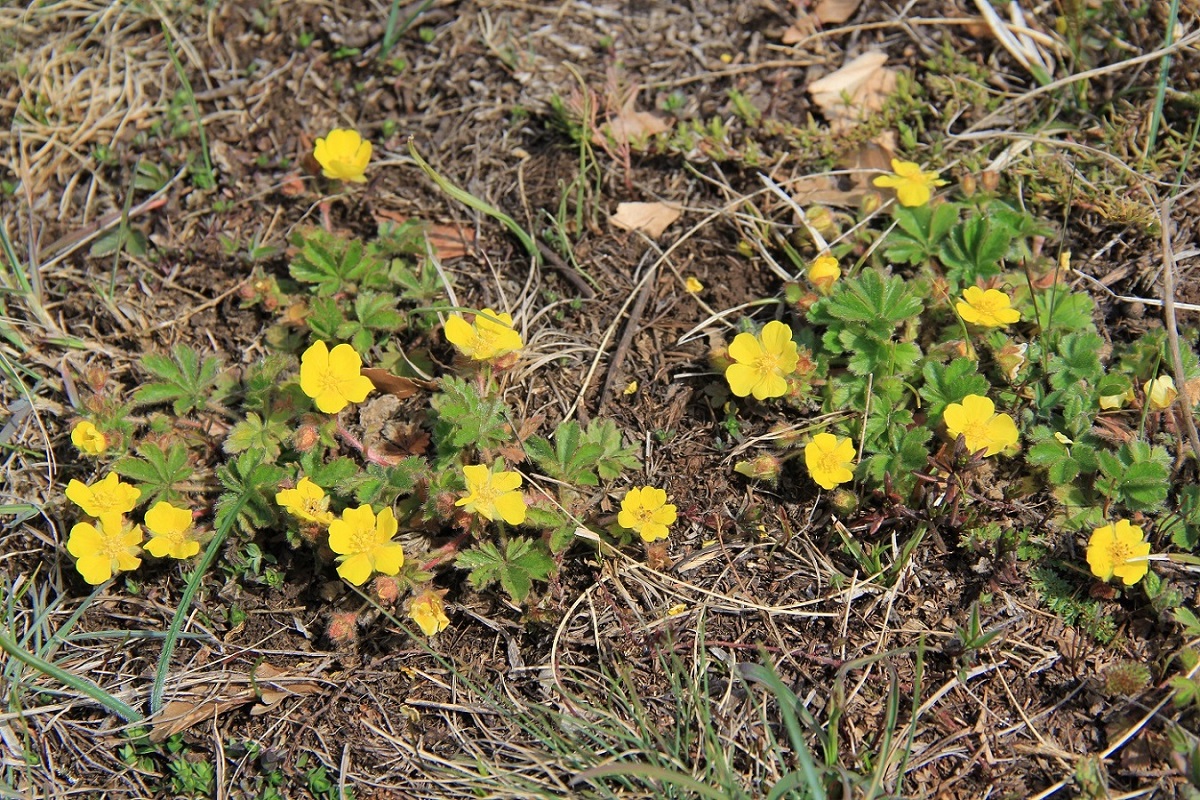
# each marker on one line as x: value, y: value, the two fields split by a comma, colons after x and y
x: 364, y: 544
x: 429, y: 612
x: 913, y: 187
x: 991, y: 309
x: 88, y: 438
x: 493, y: 494
x: 109, y: 496
x: 829, y: 459
x: 343, y: 155
x: 976, y: 419
x: 823, y: 273
x: 332, y: 378
x: 171, y: 528
x: 490, y: 336
x: 103, y: 551
x: 1160, y: 392
x: 1119, y: 550
x: 646, y: 512
x: 1109, y: 402
x: 763, y: 362
x: 693, y: 285
x: 307, y: 502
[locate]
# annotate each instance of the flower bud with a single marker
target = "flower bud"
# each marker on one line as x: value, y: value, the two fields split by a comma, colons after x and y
x: 343, y: 627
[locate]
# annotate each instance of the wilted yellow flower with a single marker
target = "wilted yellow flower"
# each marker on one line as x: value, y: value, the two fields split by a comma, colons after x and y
x: 913, y: 187
x: 976, y: 419
x: 829, y: 460
x: 1119, y: 550
x: 307, y: 501
x: 1108, y: 402
x: 630, y: 388
x: 823, y: 273
x: 762, y: 362
x: 103, y: 551
x: 646, y: 512
x: 490, y: 336
x: 991, y: 308
x: 333, y: 378
x: 170, y: 528
x: 364, y: 544
x: 493, y: 494
x: 1160, y: 392
x: 108, y: 496
x: 429, y: 612
x: 343, y: 155
x: 88, y: 438
x: 693, y: 285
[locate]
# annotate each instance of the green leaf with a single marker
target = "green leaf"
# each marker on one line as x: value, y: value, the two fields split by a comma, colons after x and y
x: 325, y: 319
x: 898, y: 454
x: 156, y: 472
x: 973, y: 251
x: 919, y: 232
x: 384, y: 485
x: 1077, y: 360
x: 465, y: 419
x: 266, y: 436
x: 1055, y: 459
x: 950, y: 383
x: 523, y: 562
x: 251, y: 487
x: 615, y: 456
x: 183, y: 380
x: 336, y: 264
x: 871, y: 356
x: 1061, y: 309
x: 581, y: 458
x: 870, y: 300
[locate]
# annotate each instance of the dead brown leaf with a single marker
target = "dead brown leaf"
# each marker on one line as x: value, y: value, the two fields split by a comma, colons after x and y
x: 851, y: 94
x: 629, y: 125
x: 835, y: 12
x: 395, y: 385
x: 649, y: 218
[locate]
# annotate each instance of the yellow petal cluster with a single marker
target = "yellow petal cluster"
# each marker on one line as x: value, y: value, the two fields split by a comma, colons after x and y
x: 1119, y: 550
x: 829, y: 460
x: 170, y: 529
x: 107, y: 496
x: 1160, y: 392
x: 343, y: 155
x: 991, y: 308
x: 88, y: 439
x: 763, y: 362
x: 975, y: 418
x: 333, y: 378
x: 646, y: 512
x: 823, y: 273
x: 307, y: 502
x: 493, y: 495
x: 363, y: 542
x: 103, y: 550
x: 489, y: 336
x: 429, y: 612
x: 913, y: 187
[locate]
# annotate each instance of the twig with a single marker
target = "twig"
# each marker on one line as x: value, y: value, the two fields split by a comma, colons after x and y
x: 554, y: 260
x: 1168, y: 301
x: 631, y: 323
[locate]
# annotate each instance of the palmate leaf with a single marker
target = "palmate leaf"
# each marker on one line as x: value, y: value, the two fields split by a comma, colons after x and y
x: 919, y: 231
x: 974, y: 250
x: 1077, y: 359
x: 467, y: 419
x: 335, y: 263
x: 876, y: 303
x: 156, y: 471
x: 950, y: 383
x: 250, y: 492
x: 183, y: 380
x: 522, y: 562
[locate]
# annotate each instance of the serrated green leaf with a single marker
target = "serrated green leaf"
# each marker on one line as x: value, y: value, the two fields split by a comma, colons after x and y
x: 1077, y: 360
x: 1061, y: 309
x: 156, y: 472
x: 950, y: 383
x: 919, y: 233
x: 869, y: 300
x: 973, y: 251
x: 325, y: 319
x: 185, y: 381
x: 334, y: 263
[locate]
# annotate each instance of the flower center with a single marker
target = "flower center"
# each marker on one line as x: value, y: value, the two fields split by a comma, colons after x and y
x: 363, y: 540
x: 767, y: 364
x: 112, y: 547
x: 1120, y: 553
x: 976, y: 433
x: 829, y: 462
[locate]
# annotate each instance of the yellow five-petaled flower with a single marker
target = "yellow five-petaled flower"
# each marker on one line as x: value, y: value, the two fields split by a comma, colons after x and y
x: 307, y: 502
x: 332, y: 378
x: 103, y: 550
x: 171, y: 532
x: 493, y: 494
x: 343, y: 155
x: 108, y: 496
x: 364, y: 544
x: 829, y: 460
x: 429, y: 612
x: 975, y: 418
x: 1160, y: 392
x: 991, y: 308
x: 490, y: 336
x: 646, y: 512
x: 1119, y: 550
x: 913, y: 187
x: 88, y: 438
x: 763, y: 362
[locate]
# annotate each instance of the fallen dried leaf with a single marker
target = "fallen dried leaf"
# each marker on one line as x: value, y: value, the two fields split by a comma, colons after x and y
x: 629, y: 125
x: 835, y: 12
x: 849, y: 95
x: 649, y: 218
x: 395, y: 385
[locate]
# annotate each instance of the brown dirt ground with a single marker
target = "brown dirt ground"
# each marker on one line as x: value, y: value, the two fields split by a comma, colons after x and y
x: 751, y: 565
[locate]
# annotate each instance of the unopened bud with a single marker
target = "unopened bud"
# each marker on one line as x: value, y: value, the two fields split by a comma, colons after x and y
x: 763, y: 468
x: 343, y: 627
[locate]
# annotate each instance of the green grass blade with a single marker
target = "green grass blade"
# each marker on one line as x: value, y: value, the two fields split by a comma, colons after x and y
x: 648, y: 773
